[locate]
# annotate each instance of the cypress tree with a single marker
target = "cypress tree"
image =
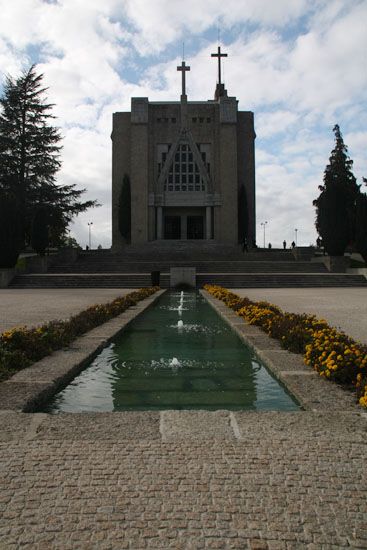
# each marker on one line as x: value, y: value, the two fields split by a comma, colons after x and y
x: 124, y: 211
x: 336, y: 204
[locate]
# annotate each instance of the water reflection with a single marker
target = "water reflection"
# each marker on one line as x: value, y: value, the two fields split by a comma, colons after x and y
x: 165, y: 360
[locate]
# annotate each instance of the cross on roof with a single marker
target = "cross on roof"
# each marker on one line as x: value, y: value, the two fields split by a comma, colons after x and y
x: 183, y: 68
x: 219, y: 55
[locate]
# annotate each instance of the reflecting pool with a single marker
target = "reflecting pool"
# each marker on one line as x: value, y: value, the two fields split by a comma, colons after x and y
x: 179, y: 354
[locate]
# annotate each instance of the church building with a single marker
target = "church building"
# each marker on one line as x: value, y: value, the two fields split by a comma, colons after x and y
x: 190, y: 165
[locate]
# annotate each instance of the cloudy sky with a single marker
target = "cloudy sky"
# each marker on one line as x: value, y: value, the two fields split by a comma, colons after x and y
x: 300, y: 65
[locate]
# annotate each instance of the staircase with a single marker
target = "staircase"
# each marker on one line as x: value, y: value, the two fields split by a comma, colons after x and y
x: 215, y: 263
x: 105, y: 280
x: 281, y: 280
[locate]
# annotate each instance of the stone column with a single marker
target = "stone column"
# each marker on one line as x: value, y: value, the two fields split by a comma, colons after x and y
x: 208, y: 222
x: 159, y: 222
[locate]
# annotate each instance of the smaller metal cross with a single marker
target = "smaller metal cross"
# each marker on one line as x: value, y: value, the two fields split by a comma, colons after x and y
x: 219, y: 55
x: 183, y: 68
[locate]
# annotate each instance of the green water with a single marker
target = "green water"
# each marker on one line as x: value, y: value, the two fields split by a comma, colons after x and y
x: 155, y: 365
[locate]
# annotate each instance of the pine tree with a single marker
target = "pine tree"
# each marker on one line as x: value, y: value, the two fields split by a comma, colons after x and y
x: 124, y: 212
x: 336, y: 204
x: 30, y: 156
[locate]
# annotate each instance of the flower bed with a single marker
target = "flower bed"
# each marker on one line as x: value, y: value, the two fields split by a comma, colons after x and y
x: 333, y: 354
x: 22, y: 346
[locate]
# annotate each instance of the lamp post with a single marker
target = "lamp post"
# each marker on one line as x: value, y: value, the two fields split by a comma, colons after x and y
x: 296, y: 230
x: 90, y: 234
x: 264, y: 224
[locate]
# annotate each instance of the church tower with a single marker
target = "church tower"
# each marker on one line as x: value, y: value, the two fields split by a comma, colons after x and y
x: 191, y: 167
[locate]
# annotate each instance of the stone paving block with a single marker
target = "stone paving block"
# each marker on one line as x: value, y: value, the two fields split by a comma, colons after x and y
x: 315, y: 393
x: 52, y: 368
x: 187, y: 493
x: 195, y: 424
x: 246, y: 329
x: 13, y: 425
x: 299, y: 425
x: 282, y: 360
x: 18, y: 396
x: 100, y: 426
x: 260, y: 342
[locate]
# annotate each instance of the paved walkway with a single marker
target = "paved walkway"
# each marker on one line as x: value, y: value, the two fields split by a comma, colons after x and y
x: 184, y: 480
x: 178, y: 479
x: 344, y: 308
x: 19, y: 307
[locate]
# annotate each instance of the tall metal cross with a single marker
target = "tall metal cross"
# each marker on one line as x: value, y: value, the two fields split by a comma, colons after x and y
x: 183, y: 68
x: 219, y: 55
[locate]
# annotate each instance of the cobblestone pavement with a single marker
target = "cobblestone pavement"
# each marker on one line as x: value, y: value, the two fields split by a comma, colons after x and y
x: 183, y: 479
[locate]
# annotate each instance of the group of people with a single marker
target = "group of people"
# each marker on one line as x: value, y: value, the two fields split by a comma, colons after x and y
x: 244, y: 243
x: 254, y: 245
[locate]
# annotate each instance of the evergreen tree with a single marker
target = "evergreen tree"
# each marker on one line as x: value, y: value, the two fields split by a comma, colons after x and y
x: 9, y: 235
x: 124, y: 212
x: 39, y: 235
x: 336, y: 204
x: 30, y: 156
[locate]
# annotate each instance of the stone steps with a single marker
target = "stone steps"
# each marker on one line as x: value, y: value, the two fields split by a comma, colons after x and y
x: 186, y: 250
x: 234, y: 280
x: 114, y: 265
x: 282, y: 280
x: 128, y: 280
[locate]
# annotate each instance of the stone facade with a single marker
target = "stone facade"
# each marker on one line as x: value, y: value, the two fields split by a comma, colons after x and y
x: 186, y: 162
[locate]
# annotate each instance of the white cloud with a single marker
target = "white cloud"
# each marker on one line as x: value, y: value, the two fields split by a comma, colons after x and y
x: 277, y: 122
x: 162, y: 22
x: 300, y: 81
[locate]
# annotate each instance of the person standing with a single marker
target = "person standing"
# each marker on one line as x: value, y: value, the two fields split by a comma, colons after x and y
x: 284, y: 244
x: 244, y: 245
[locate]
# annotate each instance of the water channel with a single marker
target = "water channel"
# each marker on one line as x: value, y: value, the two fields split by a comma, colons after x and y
x: 179, y: 354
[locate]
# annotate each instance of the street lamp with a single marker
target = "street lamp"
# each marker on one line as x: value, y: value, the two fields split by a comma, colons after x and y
x: 296, y: 230
x: 90, y: 234
x: 264, y: 224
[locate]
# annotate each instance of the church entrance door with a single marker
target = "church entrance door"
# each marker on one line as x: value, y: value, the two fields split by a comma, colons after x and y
x: 172, y: 227
x: 195, y: 227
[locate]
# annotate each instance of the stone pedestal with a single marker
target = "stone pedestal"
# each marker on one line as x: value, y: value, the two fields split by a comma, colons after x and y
x: 183, y: 276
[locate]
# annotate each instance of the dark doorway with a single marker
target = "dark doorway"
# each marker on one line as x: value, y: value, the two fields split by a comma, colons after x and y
x: 195, y: 227
x: 172, y: 227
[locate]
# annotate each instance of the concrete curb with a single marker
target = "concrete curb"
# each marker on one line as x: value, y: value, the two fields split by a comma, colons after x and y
x: 31, y: 387
x: 312, y: 392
